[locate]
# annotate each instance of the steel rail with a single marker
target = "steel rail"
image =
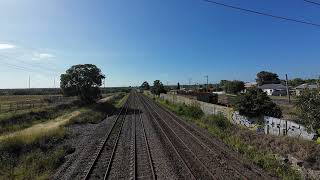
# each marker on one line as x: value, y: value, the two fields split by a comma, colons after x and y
x: 177, y: 120
x: 147, y: 145
x: 170, y: 142
x: 105, y: 141
x: 166, y: 124
x: 194, y: 137
x: 116, y: 144
x: 134, y: 145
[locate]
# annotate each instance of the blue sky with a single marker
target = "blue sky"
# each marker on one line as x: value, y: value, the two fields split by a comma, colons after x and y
x: 170, y: 40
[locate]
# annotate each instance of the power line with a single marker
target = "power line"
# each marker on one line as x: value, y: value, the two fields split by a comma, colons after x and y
x: 29, y: 64
x: 312, y: 2
x: 262, y: 13
x: 23, y: 68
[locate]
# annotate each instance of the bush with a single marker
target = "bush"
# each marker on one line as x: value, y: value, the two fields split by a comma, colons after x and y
x: 218, y: 120
x: 256, y: 103
x: 32, y: 157
x: 194, y: 112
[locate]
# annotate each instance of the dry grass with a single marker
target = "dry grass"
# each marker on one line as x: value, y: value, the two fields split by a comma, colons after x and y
x: 30, y: 134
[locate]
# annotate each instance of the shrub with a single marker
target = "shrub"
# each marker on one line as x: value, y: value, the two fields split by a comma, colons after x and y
x: 32, y: 157
x: 256, y: 103
x: 218, y: 120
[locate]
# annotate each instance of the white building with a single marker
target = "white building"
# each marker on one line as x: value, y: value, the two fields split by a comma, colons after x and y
x: 274, y: 89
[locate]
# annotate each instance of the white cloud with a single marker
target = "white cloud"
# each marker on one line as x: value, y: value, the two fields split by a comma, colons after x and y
x: 7, y: 46
x: 42, y: 56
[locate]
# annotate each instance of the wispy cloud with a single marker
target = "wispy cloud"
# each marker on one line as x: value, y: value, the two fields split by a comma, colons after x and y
x: 6, y: 46
x: 42, y: 56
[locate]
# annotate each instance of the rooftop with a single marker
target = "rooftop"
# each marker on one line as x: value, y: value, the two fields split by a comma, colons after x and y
x: 305, y: 86
x: 272, y: 86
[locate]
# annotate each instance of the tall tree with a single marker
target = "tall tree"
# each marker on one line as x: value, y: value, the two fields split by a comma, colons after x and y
x: 82, y: 80
x: 178, y: 86
x: 256, y: 103
x: 233, y: 87
x: 265, y: 77
x: 145, y: 85
x: 158, y: 87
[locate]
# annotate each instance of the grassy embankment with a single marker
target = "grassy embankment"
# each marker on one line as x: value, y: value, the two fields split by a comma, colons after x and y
x: 233, y: 136
x: 36, y: 151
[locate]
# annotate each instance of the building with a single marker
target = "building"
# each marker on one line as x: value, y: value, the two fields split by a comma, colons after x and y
x: 250, y: 85
x: 302, y: 87
x: 274, y: 89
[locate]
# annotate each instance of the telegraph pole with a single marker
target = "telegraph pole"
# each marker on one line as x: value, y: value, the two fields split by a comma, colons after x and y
x: 288, y: 93
x: 54, y: 82
x: 207, y: 82
x: 29, y: 81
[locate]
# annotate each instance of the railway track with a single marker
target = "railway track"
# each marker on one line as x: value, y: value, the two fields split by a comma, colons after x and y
x: 144, y: 168
x: 125, y: 152
x: 147, y: 141
x: 195, y: 168
x: 213, y: 158
x: 238, y: 164
x: 100, y: 167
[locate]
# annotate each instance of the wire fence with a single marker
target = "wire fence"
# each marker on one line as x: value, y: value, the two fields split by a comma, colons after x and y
x: 47, y: 101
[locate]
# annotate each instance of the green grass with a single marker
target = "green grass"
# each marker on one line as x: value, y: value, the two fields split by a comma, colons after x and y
x: 220, y: 127
x: 34, y: 157
x: 10, y: 122
x: 38, y: 155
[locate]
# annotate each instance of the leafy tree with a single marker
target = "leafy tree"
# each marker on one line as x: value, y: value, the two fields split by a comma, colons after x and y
x: 265, y: 77
x: 178, y: 86
x: 158, y: 87
x: 145, y: 85
x: 233, y: 87
x: 308, y: 106
x: 256, y: 103
x: 296, y: 82
x: 222, y: 83
x: 82, y: 80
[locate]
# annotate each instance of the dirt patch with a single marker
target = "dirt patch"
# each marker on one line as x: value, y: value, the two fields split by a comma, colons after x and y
x: 42, y: 128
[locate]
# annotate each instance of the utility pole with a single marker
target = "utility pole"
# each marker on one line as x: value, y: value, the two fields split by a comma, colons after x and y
x: 29, y: 81
x: 207, y: 82
x: 288, y: 93
x: 54, y: 82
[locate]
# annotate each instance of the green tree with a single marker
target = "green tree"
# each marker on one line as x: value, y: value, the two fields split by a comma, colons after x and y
x: 265, y: 77
x: 296, y: 82
x: 178, y: 86
x: 255, y: 103
x: 222, y: 83
x: 82, y: 80
x: 158, y: 87
x: 308, y: 106
x: 145, y: 85
x: 233, y: 87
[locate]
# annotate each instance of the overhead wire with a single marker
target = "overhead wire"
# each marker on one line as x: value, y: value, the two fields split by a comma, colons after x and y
x: 312, y: 2
x: 262, y: 13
